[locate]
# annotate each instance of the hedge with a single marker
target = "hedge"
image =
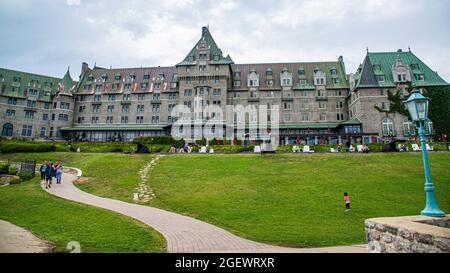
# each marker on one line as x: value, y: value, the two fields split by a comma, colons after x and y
x: 4, y: 168
x: 7, y: 147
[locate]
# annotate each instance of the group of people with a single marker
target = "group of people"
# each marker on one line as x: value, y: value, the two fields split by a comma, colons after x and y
x: 49, y: 170
x: 187, y: 149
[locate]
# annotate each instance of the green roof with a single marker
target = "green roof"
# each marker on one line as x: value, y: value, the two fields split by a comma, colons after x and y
x: 68, y: 83
x: 381, y: 63
x: 208, y: 41
x: 48, y: 85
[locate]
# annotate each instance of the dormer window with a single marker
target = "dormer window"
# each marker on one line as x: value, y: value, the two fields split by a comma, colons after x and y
x: 319, y: 77
x: 381, y: 78
x: 216, y: 57
x: 301, y: 72
x: 146, y: 77
x: 104, y: 77
x: 48, y: 84
x: 286, y: 78
x: 414, y: 66
x: 302, y: 82
x: 269, y: 82
x: 237, y: 74
x: 90, y: 78
x: 132, y: 77
x: 253, y: 78
x: 190, y: 58
x: 203, y: 55
x: 118, y: 77
x: 401, y: 77
x: 420, y: 77
x: 16, y: 79
x: 333, y: 72
x: 269, y: 72
x: 377, y: 67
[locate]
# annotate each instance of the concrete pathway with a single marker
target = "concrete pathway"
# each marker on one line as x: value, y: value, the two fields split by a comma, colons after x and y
x: 184, y: 234
x: 14, y: 239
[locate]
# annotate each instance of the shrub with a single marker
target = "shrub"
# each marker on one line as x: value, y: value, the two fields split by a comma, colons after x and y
x: 14, y: 181
x: 159, y: 140
x: 12, y: 170
x: 230, y: 149
x: 159, y: 148
x: 26, y: 147
x: 26, y: 175
x: 4, y: 168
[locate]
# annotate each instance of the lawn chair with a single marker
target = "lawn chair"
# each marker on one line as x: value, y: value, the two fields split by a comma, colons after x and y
x: 307, y: 149
x: 203, y: 150
x: 211, y: 151
x: 360, y: 148
x: 429, y: 148
x: 352, y: 149
x: 295, y: 149
x: 257, y: 150
x: 333, y: 150
x: 416, y: 148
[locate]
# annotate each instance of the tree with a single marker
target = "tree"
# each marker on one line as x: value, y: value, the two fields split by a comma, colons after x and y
x: 439, y: 111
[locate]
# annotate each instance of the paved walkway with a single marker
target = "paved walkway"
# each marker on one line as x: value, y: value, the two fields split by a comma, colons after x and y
x: 184, y: 234
x: 14, y: 239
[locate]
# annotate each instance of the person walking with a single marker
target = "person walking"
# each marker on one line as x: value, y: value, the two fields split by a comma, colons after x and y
x: 42, y: 170
x: 347, y: 201
x: 59, y: 172
x: 49, y: 173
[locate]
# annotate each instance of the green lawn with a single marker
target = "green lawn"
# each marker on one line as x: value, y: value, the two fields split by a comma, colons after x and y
x: 297, y: 200
x: 293, y: 200
x: 60, y: 221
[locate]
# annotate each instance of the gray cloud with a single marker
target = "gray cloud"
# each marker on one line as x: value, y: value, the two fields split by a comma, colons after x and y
x: 46, y: 36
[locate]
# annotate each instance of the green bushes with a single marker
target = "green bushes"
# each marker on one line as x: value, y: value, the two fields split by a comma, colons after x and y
x: 4, y: 168
x: 26, y: 147
x: 12, y: 170
x: 26, y: 175
x: 159, y: 140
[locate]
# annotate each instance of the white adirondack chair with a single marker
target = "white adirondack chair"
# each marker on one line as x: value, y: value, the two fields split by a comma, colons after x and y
x: 429, y: 148
x: 211, y: 151
x: 333, y: 150
x: 352, y: 149
x: 307, y: 149
x: 416, y: 148
x: 257, y: 149
x: 203, y: 150
x: 360, y: 148
x: 295, y: 149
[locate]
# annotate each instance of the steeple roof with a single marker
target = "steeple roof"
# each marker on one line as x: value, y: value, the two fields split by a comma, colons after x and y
x: 206, y: 41
x: 67, y: 83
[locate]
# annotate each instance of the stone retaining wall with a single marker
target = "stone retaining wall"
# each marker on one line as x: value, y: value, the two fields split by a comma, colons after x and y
x: 414, y: 234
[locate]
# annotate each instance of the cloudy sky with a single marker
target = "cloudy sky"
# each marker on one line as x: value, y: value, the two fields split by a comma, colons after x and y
x: 47, y: 36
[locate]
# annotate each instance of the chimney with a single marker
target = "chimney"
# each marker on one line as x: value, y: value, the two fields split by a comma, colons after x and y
x: 84, y: 68
x: 204, y: 29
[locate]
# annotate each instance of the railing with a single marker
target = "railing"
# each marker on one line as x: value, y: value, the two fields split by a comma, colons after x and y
x: 21, y: 167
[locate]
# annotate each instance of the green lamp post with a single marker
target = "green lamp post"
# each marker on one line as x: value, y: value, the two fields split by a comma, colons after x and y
x: 418, y: 106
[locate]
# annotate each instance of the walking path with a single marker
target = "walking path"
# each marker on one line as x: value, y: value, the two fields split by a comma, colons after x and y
x: 184, y: 234
x: 14, y: 239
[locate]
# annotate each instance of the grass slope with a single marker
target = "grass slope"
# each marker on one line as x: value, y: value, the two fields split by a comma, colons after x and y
x: 297, y: 200
x: 61, y: 221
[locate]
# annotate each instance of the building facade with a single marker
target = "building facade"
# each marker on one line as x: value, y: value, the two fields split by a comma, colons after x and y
x: 318, y: 101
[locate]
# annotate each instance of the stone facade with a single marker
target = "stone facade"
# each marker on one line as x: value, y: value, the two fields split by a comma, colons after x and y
x: 319, y: 103
x: 416, y: 234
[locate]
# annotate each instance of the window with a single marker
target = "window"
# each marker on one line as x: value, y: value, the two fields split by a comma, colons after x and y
x: 337, y: 81
x: 64, y: 117
x: 112, y: 97
x: 110, y: 109
x: 139, y: 120
x: 216, y: 57
x: 202, y: 68
x: 339, y: 117
x: 287, y: 117
x: 203, y: 55
x: 155, y: 119
x: 29, y: 115
x: 87, y: 87
x: 94, y: 120
x: 388, y: 127
x: 7, y: 130
x: 125, y: 108
x: 302, y: 82
x: 172, y: 96
x: 420, y: 77
x: 408, y: 128
x: 81, y: 109
x: 156, y: 108
x: 323, y: 117
x: 333, y: 71
x: 188, y: 92
x: 117, y: 77
x: 269, y: 82
x: 27, y: 130
x: 109, y: 120
x: 303, y: 105
x: 140, y: 108
x: 237, y: 74
x: 127, y: 87
x: 269, y: 72
x: 217, y: 92
x: 301, y: 72
x: 124, y: 120
x: 98, y: 88
x: 401, y: 77
x: 304, y: 93
x: 237, y: 83
x: 32, y: 92
x: 146, y: 77
x: 46, y: 106
x: 156, y: 97
x: 81, y: 120
x: 42, y: 132
x: 287, y: 106
x: 64, y: 105
x: 96, y: 109
x: 339, y: 104
x: 141, y: 97
x: 322, y: 105
x: 188, y: 104
x: 16, y: 79
x: 31, y: 104
x: 45, y: 117
x: 97, y: 97
x: 381, y: 78
x: 126, y: 97
x: 429, y: 128
x: 237, y: 94
x: 305, y: 117
x: 10, y: 113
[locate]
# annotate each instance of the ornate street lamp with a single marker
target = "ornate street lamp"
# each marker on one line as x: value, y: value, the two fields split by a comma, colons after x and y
x: 418, y: 106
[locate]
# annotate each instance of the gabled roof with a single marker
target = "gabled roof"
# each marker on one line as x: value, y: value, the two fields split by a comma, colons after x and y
x: 67, y: 83
x: 208, y: 40
x: 385, y: 61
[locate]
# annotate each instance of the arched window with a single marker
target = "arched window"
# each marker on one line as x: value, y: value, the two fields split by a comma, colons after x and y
x: 388, y: 127
x: 408, y: 128
x: 7, y: 130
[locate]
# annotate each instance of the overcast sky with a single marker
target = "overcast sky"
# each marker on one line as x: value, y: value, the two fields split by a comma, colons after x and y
x: 47, y: 36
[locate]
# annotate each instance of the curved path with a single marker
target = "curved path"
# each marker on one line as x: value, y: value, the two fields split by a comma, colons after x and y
x: 183, y: 234
x: 14, y: 239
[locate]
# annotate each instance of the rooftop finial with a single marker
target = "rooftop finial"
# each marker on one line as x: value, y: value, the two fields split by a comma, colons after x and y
x: 367, y: 49
x: 409, y: 48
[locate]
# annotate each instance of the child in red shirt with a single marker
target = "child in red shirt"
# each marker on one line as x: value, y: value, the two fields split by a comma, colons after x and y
x: 347, y: 201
